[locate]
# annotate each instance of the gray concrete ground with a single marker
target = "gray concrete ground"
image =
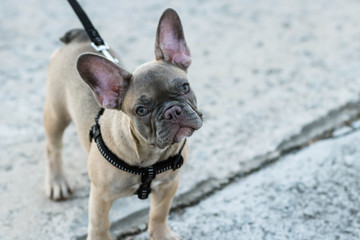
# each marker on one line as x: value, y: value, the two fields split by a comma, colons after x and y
x: 269, y: 76
x: 310, y: 194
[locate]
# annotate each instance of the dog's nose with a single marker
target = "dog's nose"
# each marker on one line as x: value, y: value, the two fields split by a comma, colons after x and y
x: 173, y: 113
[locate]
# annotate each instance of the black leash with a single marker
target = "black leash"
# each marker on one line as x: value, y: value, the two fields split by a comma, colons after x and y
x: 147, y: 173
x: 96, y: 41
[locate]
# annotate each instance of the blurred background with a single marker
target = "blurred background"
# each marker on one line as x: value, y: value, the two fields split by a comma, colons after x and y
x: 271, y: 77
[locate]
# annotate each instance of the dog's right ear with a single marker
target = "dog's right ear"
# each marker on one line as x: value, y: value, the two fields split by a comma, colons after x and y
x: 108, y: 81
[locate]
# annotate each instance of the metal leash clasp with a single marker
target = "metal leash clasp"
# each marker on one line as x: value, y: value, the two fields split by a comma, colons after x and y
x: 104, y: 49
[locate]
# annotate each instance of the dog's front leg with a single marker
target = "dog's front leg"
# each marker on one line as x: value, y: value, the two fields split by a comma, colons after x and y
x: 161, y: 200
x: 99, y: 207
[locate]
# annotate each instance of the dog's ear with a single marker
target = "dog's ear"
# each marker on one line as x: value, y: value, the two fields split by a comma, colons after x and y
x: 108, y: 81
x: 170, y: 44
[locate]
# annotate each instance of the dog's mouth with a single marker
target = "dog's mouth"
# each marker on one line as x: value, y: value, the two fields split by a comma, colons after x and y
x: 177, y: 132
x: 176, y: 135
x: 182, y: 133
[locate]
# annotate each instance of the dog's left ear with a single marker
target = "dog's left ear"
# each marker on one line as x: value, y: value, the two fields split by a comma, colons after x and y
x: 170, y: 44
x: 107, y: 80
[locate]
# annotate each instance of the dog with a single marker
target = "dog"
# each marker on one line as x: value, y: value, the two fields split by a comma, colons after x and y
x: 148, y: 116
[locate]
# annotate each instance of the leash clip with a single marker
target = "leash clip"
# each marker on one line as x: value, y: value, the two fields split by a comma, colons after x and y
x: 104, y: 49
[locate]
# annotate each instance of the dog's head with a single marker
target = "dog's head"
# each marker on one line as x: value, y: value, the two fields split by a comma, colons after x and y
x: 157, y: 97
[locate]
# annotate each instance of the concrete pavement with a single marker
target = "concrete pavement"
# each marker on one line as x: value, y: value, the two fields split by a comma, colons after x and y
x: 313, y: 193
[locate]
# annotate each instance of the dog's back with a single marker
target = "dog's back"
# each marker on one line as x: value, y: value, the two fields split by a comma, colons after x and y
x: 67, y: 96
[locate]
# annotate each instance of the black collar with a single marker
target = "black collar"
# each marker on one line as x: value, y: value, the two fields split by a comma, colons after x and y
x: 147, y: 173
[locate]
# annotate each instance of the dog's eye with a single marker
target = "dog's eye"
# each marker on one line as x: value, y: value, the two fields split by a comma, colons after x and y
x: 185, y: 88
x: 141, y: 111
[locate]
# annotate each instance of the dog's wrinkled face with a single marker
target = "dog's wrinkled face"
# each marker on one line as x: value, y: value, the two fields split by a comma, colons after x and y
x: 161, y: 104
x: 157, y: 96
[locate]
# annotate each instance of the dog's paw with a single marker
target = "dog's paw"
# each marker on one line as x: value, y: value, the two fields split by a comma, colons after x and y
x: 163, y: 233
x: 57, y: 189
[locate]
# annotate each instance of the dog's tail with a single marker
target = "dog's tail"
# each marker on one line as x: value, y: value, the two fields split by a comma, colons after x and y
x: 74, y: 35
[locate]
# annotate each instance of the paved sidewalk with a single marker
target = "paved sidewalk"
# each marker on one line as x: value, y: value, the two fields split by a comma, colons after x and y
x: 310, y: 194
x: 269, y: 76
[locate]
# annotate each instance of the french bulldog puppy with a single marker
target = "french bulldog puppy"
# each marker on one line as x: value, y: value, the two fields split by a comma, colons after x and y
x: 148, y: 115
